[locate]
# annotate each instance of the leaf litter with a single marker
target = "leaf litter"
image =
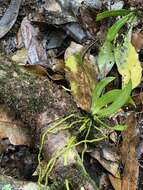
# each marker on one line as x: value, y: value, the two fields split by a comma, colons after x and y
x: 119, y: 46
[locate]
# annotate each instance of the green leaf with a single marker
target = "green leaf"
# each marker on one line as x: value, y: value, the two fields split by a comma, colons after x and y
x: 105, y: 58
x: 113, y: 31
x: 118, y: 103
x: 98, y: 90
x: 105, y: 14
x: 120, y: 127
x: 106, y: 99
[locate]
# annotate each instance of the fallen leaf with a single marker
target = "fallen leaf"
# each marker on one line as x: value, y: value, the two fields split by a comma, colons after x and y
x: 36, y: 69
x: 42, y: 71
x: 81, y: 75
x: 110, y: 166
x: 13, y: 129
x: 30, y: 37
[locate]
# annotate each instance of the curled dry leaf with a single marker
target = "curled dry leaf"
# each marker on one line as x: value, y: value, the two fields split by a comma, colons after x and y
x: 29, y: 36
x: 81, y: 75
x: 12, y: 129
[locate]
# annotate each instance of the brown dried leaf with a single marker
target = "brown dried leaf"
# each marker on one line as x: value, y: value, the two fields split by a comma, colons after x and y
x: 128, y: 155
x: 42, y: 71
x: 12, y: 129
x: 116, y: 182
x: 36, y: 69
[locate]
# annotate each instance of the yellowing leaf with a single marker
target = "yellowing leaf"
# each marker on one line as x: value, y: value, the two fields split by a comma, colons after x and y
x: 128, y: 64
x: 71, y: 62
x: 82, y: 76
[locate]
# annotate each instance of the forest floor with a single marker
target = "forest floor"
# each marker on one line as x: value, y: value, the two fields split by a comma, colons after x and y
x: 71, y: 95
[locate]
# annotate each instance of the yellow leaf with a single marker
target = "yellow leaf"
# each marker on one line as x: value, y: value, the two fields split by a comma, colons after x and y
x: 128, y: 64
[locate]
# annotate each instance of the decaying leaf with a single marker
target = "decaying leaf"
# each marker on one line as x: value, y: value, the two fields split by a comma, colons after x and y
x: 127, y: 62
x: 29, y: 36
x: 129, y: 155
x: 36, y: 69
x: 12, y: 129
x: 105, y: 59
x: 110, y: 162
x: 116, y: 182
x: 81, y: 75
